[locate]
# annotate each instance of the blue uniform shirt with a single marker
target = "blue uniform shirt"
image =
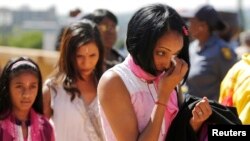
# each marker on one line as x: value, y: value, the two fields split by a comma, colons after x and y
x: 209, y: 65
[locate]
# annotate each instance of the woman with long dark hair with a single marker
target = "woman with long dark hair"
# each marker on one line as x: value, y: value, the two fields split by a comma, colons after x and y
x: 70, y: 94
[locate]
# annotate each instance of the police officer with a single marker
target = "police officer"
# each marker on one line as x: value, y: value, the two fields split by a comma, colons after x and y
x: 107, y: 25
x: 210, y: 56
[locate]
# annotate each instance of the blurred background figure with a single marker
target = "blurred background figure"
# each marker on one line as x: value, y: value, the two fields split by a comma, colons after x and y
x: 74, y: 15
x: 70, y: 94
x: 235, y: 90
x: 231, y: 33
x: 21, y: 107
x: 107, y: 24
x: 244, y: 44
x: 210, y: 56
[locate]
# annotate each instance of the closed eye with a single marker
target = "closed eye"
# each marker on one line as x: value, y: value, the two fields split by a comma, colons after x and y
x: 92, y: 55
x: 78, y: 56
x: 34, y: 86
x: 18, y: 86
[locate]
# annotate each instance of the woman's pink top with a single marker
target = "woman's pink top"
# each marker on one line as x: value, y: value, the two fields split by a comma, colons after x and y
x: 143, y: 96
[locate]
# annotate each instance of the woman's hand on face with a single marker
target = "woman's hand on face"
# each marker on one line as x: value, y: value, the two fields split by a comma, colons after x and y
x: 175, y: 74
x: 201, y: 112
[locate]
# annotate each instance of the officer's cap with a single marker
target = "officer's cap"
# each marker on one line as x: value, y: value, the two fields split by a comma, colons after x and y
x: 208, y: 14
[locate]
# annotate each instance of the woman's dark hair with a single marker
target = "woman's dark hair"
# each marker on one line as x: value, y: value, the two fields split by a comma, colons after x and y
x: 100, y: 14
x: 76, y: 35
x: 146, y: 27
x: 14, y: 67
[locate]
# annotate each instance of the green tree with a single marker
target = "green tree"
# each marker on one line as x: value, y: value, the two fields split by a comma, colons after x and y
x: 29, y: 39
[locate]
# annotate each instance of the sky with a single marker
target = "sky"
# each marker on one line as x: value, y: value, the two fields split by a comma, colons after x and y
x: 116, y: 6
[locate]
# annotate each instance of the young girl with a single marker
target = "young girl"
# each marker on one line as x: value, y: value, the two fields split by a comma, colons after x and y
x: 70, y: 95
x: 21, y: 105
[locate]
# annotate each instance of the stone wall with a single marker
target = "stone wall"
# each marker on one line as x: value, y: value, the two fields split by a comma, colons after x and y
x: 45, y: 59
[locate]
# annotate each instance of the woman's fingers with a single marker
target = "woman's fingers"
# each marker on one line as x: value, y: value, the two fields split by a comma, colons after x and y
x: 181, y: 66
x: 202, y: 110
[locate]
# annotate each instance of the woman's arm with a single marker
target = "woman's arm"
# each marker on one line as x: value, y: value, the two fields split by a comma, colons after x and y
x: 47, y: 110
x: 116, y: 104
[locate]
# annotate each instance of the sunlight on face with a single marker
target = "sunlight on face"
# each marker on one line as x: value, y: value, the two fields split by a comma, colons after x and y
x: 23, y: 91
x: 87, y: 57
x: 167, y: 47
x: 108, y: 32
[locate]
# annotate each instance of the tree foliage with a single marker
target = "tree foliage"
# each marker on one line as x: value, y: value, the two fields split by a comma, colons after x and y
x: 28, y: 39
x: 32, y: 39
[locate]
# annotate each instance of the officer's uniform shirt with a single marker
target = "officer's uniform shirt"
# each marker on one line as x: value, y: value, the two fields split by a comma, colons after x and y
x: 209, y: 65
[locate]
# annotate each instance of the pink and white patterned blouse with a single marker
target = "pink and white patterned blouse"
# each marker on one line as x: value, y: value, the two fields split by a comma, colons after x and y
x: 143, y: 97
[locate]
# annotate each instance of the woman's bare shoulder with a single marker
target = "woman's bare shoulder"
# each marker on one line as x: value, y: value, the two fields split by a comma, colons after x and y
x: 110, y: 79
x: 111, y: 84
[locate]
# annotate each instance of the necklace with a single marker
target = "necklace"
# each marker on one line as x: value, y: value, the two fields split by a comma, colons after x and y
x: 151, y: 91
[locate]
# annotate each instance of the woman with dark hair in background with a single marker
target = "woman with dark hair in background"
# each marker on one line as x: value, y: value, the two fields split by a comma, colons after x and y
x: 21, y: 106
x: 107, y: 24
x: 138, y: 99
x: 70, y: 95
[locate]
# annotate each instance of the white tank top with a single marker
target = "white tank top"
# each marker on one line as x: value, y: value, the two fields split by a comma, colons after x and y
x: 71, y: 120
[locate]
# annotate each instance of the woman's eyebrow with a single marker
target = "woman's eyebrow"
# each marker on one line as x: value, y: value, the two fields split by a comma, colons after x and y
x: 161, y: 47
x: 169, y: 50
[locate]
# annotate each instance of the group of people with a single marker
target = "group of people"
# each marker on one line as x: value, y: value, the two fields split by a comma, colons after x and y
x: 96, y: 94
